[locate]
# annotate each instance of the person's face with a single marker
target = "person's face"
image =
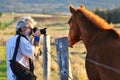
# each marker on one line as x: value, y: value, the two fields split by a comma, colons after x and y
x: 27, y: 31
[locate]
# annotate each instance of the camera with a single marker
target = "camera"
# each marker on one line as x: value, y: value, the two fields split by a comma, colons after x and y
x: 42, y: 31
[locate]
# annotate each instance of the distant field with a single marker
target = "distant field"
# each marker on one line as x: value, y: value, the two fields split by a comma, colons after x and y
x: 56, y: 27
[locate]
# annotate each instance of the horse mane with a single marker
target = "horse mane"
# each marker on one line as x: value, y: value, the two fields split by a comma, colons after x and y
x: 98, y: 21
x: 101, y: 23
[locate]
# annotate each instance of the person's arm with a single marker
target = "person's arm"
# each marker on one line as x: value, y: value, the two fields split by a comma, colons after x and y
x: 28, y: 49
x: 36, y: 41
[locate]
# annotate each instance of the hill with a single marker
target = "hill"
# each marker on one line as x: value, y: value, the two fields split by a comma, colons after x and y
x: 52, y: 6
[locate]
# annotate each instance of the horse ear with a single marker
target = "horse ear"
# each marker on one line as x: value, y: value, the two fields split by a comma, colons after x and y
x: 72, y: 9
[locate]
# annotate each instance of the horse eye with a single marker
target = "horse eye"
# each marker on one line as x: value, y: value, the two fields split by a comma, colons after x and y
x: 69, y: 22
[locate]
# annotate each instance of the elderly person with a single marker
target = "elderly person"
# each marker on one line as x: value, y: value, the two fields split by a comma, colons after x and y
x: 26, y: 49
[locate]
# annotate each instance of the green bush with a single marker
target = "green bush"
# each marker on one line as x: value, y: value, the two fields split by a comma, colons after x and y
x: 6, y: 24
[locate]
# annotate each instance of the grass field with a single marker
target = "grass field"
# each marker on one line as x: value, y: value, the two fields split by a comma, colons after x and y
x: 56, y: 27
x: 2, y: 63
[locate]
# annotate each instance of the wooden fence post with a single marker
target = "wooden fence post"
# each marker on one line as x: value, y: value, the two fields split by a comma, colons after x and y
x: 46, y: 57
x: 63, y: 57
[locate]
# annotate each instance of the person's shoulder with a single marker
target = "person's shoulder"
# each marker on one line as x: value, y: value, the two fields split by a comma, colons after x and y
x: 12, y: 38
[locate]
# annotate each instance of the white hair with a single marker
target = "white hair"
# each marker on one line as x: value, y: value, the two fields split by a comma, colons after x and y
x: 25, y: 21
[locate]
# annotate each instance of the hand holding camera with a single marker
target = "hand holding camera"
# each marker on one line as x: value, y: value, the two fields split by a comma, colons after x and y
x: 42, y: 31
x: 37, y: 33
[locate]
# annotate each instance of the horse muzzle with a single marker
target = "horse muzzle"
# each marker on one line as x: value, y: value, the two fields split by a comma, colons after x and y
x: 70, y: 45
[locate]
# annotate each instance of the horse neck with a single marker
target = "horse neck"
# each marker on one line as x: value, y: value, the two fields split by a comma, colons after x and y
x: 89, y: 34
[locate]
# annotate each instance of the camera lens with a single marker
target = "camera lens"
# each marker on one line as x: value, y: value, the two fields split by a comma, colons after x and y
x: 34, y: 29
x: 42, y: 31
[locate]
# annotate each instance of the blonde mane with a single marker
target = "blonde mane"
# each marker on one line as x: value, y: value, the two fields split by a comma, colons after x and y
x: 101, y: 23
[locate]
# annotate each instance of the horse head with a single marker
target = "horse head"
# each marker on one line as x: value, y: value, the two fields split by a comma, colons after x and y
x: 84, y: 25
x: 74, y: 35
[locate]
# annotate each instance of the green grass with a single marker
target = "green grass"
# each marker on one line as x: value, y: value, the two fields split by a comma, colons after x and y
x: 2, y: 63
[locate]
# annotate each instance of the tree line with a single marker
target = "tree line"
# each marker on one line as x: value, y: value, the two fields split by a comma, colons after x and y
x: 111, y: 16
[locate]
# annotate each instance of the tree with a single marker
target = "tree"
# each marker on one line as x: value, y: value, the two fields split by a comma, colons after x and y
x: 109, y: 15
x: 101, y: 13
x: 116, y: 15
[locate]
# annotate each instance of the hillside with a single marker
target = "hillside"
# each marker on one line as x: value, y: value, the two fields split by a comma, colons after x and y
x: 52, y: 6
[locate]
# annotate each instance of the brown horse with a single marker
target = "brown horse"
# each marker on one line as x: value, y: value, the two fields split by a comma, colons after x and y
x: 102, y: 43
